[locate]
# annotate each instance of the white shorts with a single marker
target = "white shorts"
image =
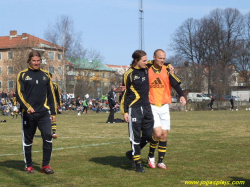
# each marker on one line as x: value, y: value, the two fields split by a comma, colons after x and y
x: 161, y: 116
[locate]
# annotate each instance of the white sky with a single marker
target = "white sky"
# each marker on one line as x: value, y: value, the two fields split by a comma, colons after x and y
x: 111, y: 26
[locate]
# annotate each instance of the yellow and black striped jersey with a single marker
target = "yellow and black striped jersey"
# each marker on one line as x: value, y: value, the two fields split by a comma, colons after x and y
x: 35, y: 90
x: 137, y: 89
x: 57, y: 94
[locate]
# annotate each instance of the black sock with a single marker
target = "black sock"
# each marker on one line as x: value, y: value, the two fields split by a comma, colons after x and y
x: 152, y: 147
x: 162, y: 148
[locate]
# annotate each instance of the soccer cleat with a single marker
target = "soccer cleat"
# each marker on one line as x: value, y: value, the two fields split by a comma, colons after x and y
x: 130, y: 157
x: 54, y: 136
x: 30, y: 170
x: 139, y: 168
x: 151, y: 162
x: 161, y: 165
x: 47, y: 169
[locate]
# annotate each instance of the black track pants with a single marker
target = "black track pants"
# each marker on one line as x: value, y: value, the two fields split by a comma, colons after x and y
x: 141, y: 123
x: 30, y: 123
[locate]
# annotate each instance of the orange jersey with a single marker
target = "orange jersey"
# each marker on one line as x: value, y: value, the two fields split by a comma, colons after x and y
x: 159, y: 86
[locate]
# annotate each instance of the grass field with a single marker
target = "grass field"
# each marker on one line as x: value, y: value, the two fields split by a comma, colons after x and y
x: 203, y: 146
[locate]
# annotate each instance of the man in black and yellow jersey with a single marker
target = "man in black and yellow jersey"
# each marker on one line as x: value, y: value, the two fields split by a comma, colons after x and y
x: 136, y: 108
x: 160, y: 83
x: 36, y: 96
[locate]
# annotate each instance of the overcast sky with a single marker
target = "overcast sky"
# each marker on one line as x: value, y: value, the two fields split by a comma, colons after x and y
x: 111, y: 27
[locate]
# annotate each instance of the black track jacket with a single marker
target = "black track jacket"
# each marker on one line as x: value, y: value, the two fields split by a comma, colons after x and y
x: 35, y: 90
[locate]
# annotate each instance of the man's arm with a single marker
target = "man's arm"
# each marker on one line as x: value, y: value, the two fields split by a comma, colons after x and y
x: 21, y: 95
x: 126, y: 82
x: 176, y: 85
x: 57, y: 94
x: 51, y: 98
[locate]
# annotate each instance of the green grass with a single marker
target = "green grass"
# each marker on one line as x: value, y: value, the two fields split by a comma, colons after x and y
x: 202, y: 146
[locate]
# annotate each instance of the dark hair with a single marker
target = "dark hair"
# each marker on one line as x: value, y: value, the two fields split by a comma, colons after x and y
x: 157, y: 51
x: 32, y: 54
x: 137, y: 56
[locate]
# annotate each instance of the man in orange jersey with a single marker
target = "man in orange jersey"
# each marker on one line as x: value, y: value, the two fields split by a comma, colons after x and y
x: 160, y: 83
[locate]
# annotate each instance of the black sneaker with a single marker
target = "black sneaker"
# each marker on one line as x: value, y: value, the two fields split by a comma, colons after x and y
x: 47, y: 170
x: 130, y: 157
x: 139, y: 168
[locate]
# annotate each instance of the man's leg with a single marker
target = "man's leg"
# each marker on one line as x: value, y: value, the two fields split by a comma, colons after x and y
x: 54, y: 135
x: 162, y: 147
x: 134, y: 126
x: 111, y: 116
x: 28, y: 132
x: 44, y: 125
x: 165, y: 125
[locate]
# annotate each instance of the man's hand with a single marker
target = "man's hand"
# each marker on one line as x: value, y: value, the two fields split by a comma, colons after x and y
x: 183, y: 100
x: 53, y: 118
x: 171, y: 69
x: 30, y: 110
x: 126, y: 117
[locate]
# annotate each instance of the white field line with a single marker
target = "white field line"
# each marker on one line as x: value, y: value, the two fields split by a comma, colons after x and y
x: 62, y: 148
x: 71, y: 137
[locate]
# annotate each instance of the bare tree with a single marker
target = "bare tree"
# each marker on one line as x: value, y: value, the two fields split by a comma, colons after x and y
x: 86, y: 61
x: 242, y: 60
x: 210, y: 45
x: 62, y: 33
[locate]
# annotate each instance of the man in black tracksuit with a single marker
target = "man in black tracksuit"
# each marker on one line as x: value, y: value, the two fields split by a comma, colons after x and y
x: 135, y: 106
x: 112, y: 103
x: 36, y: 96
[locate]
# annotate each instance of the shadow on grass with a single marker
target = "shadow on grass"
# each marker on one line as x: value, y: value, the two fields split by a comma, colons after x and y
x: 18, y: 165
x: 237, y: 181
x: 17, y: 177
x: 114, y: 161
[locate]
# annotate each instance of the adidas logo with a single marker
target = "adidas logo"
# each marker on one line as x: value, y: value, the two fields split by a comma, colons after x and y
x: 156, y: 83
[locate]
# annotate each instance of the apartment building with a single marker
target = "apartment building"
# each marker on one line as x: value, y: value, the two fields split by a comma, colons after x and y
x: 14, y: 50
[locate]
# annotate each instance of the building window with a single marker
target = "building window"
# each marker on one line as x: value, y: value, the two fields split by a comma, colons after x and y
x: 60, y: 84
x: 0, y: 84
x: 51, y: 69
x: 0, y: 70
x: 103, y: 75
x: 10, y: 70
x: 51, y: 55
x: 60, y: 70
x: 44, y: 60
x: 10, y: 55
x: 10, y: 84
x: 59, y: 56
x: 92, y: 74
x: 0, y: 56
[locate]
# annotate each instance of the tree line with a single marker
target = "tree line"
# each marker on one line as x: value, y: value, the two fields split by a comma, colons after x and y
x: 209, y: 50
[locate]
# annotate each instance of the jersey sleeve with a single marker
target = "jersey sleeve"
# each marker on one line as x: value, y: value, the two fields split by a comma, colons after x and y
x: 57, y: 94
x: 175, y: 83
x: 20, y: 93
x: 127, y: 83
x: 51, y: 97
